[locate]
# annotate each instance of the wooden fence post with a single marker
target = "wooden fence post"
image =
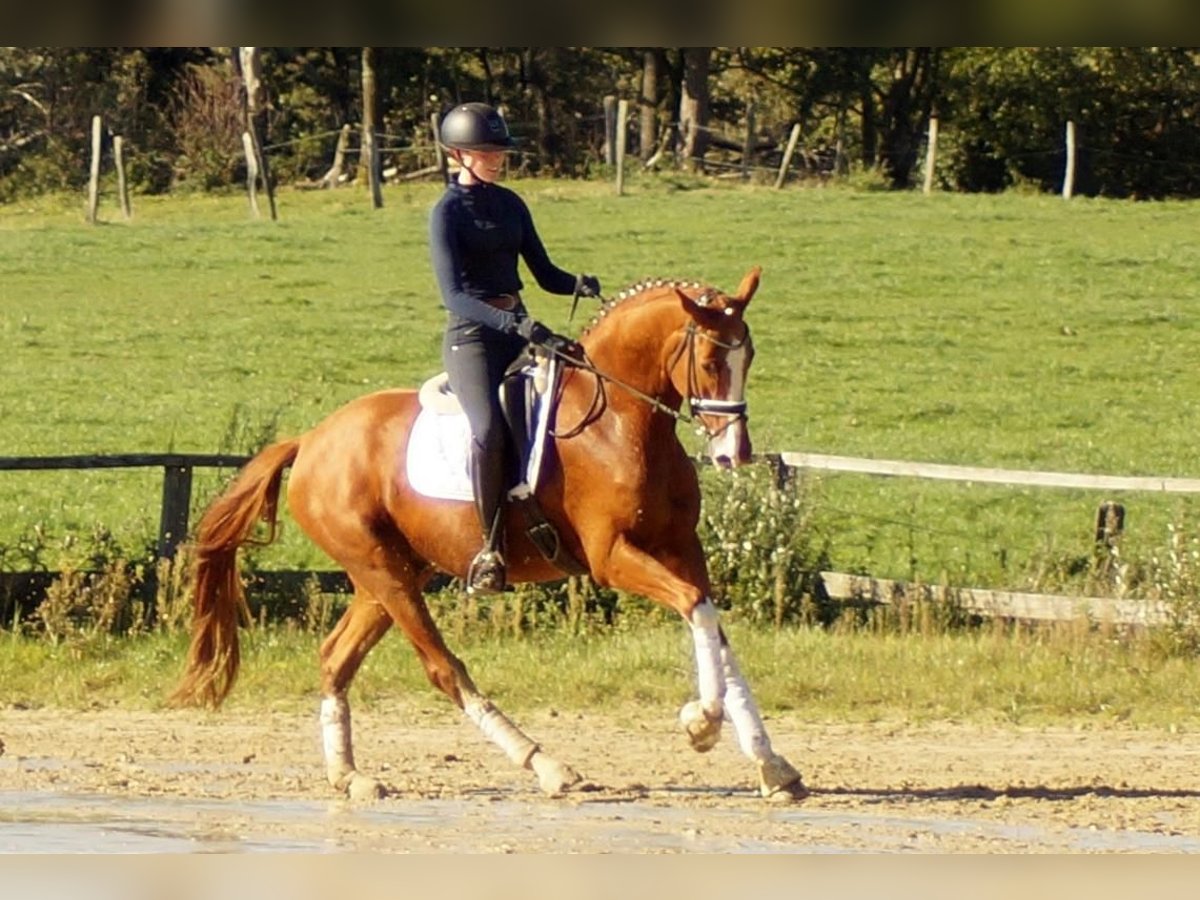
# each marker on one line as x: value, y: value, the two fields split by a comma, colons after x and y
x: 176, y: 501
x: 931, y: 155
x: 787, y: 155
x: 333, y: 177
x: 622, y: 115
x: 1068, y: 187
x: 610, y: 130
x: 370, y: 150
x: 94, y: 178
x: 122, y: 186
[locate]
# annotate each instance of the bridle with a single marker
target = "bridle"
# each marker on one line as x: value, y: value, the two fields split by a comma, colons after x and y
x: 731, y: 410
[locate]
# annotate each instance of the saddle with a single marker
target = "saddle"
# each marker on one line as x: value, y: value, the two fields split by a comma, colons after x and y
x: 437, y: 457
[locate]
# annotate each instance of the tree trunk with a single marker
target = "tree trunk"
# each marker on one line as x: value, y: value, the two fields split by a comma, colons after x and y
x: 870, y: 136
x: 256, y: 116
x: 648, y: 105
x: 536, y: 87
x: 907, y: 105
x: 693, y: 105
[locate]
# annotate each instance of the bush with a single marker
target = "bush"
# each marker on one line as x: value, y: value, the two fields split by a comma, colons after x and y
x: 207, y: 119
x: 764, y: 551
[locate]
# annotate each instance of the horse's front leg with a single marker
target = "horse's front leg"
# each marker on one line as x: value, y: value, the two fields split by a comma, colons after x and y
x: 776, y: 776
x: 723, y: 691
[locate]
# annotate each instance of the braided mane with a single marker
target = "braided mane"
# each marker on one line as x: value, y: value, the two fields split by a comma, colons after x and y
x: 640, y: 287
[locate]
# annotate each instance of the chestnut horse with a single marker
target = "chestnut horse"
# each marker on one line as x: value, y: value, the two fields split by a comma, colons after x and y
x: 622, y: 493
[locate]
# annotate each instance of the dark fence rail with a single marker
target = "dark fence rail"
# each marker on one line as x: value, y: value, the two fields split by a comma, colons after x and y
x: 20, y: 592
x: 177, y: 481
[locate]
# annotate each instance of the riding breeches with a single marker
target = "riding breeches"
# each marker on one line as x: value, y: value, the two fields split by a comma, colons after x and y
x: 476, y: 358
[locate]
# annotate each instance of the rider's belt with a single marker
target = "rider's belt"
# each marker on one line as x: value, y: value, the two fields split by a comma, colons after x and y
x: 506, y: 302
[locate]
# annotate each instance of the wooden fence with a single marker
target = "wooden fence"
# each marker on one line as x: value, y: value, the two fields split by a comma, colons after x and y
x: 21, y: 591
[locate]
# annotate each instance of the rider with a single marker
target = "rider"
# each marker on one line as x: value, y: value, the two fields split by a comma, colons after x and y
x: 477, y: 230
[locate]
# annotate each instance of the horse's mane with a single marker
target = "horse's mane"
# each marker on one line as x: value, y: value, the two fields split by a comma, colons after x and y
x: 638, y: 288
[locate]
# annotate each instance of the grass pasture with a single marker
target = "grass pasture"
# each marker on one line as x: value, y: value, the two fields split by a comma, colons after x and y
x: 1013, y: 331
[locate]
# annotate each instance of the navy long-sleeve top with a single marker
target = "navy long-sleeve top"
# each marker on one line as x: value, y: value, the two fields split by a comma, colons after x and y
x: 476, y: 233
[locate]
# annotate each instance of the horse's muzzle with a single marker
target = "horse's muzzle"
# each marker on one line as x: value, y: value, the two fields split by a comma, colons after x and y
x: 730, y: 447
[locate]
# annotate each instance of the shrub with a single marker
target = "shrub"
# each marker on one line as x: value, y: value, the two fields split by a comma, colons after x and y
x: 764, y: 550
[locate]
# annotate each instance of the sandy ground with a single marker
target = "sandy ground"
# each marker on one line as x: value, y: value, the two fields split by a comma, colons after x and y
x: 238, y: 781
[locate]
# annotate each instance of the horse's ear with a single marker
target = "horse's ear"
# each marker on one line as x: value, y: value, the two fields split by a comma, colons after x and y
x: 749, y: 285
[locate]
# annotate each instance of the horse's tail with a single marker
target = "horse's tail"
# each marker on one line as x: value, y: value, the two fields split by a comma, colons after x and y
x: 214, y: 656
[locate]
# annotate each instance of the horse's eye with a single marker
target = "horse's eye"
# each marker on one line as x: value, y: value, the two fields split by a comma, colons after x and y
x: 711, y: 367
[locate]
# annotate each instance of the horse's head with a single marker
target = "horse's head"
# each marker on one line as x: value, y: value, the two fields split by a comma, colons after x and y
x: 709, y: 370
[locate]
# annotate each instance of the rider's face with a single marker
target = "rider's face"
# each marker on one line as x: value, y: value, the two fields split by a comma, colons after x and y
x: 484, y: 165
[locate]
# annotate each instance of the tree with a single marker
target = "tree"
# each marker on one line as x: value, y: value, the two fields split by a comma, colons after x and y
x: 693, y: 104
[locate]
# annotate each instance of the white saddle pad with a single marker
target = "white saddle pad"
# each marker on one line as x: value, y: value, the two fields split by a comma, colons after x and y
x: 436, y: 461
x: 437, y: 456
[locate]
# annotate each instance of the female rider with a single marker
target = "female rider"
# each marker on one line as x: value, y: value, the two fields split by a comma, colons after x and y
x: 476, y: 232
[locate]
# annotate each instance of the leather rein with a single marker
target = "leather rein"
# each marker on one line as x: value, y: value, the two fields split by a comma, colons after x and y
x: 733, y: 410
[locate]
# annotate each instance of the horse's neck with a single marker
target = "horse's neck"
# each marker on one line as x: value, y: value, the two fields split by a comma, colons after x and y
x: 633, y: 343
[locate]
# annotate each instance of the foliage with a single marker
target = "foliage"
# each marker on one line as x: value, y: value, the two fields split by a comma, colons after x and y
x: 764, y: 552
x: 1134, y: 109
x: 207, y: 122
x: 1175, y: 578
x: 80, y: 606
x: 1002, y: 110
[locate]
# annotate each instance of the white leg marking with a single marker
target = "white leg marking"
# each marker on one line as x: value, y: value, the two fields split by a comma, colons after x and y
x: 497, y: 728
x: 743, y: 711
x: 553, y: 777
x: 335, y: 739
x: 701, y: 719
x: 707, y: 637
x: 777, y: 778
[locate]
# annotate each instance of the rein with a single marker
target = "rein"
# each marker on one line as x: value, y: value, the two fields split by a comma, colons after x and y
x: 734, y: 410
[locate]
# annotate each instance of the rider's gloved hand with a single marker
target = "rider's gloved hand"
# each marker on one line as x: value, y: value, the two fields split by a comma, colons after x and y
x: 533, y: 331
x: 541, y: 336
x: 563, y: 346
x: 588, y: 286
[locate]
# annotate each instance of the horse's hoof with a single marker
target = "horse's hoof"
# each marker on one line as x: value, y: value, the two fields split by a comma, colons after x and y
x: 554, y: 777
x: 779, y: 781
x: 363, y: 789
x: 703, y: 731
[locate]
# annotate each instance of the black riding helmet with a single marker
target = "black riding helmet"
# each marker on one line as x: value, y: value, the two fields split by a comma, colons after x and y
x: 475, y: 126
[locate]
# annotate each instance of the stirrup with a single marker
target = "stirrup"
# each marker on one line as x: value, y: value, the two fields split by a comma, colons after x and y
x: 487, y: 573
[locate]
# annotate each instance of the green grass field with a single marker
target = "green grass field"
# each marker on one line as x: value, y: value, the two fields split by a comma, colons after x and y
x: 1014, y: 331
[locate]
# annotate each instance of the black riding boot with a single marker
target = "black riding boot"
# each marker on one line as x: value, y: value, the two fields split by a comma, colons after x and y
x: 487, y: 573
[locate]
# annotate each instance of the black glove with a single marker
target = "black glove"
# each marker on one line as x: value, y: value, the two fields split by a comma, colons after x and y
x: 563, y: 346
x: 587, y: 286
x: 533, y: 331
x: 539, y: 335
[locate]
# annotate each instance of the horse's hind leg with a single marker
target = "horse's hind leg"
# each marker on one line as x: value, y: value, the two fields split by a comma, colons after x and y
x: 342, y: 652
x: 401, y: 596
